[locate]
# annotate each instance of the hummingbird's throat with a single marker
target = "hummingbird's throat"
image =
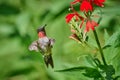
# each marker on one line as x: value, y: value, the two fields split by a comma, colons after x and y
x: 41, y: 34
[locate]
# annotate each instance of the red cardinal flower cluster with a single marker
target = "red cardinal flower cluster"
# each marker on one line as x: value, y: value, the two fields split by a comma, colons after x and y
x: 86, y: 8
x: 82, y: 22
x: 87, y: 5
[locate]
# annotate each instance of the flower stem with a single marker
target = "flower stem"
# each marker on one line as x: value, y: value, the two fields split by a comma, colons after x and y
x: 99, y: 46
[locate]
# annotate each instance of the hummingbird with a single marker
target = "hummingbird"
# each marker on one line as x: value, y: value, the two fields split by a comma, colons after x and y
x: 44, y: 46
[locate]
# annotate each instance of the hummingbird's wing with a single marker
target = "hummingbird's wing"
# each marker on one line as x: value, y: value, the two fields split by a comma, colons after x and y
x: 52, y: 41
x: 34, y: 46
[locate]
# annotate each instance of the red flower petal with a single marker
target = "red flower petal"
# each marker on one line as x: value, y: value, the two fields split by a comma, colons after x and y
x: 69, y: 17
x: 86, y: 6
x: 90, y: 25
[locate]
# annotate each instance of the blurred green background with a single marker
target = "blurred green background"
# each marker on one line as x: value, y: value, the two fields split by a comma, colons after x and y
x: 19, y: 20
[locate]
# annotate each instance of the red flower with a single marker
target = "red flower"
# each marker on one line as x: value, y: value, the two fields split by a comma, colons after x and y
x: 75, y: 1
x: 90, y: 24
x: 99, y: 2
x: 71, y: 15
x: 86, y: 6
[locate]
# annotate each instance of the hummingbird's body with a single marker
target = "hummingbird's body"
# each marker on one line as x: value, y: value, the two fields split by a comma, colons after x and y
x: 44, y: 45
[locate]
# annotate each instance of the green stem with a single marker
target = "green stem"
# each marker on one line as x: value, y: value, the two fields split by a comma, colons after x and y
x: 99, y: 46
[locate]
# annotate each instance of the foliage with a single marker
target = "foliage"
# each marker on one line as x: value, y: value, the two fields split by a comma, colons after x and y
x: 19, y: 20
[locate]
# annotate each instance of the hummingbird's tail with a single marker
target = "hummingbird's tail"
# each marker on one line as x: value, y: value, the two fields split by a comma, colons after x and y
x: 48, y: 60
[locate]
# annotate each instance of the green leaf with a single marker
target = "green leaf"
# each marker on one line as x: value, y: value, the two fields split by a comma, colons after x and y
x: 71, y: 69
x: 114, y: 40
x: 92, y: 73
x: 112, y: 46
x: 106, y: 35
x: 90, y: 60
x: 109, y: 70
x: 97, y: 61
x: 106, y: 46
x: 89, y: 72
x: 106, y: 38
x: 74, y: 71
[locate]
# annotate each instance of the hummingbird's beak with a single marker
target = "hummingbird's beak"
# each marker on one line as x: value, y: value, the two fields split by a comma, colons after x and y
x: 41, y: 29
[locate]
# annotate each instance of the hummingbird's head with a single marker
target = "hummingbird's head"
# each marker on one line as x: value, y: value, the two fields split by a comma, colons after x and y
x: 41, y: 31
